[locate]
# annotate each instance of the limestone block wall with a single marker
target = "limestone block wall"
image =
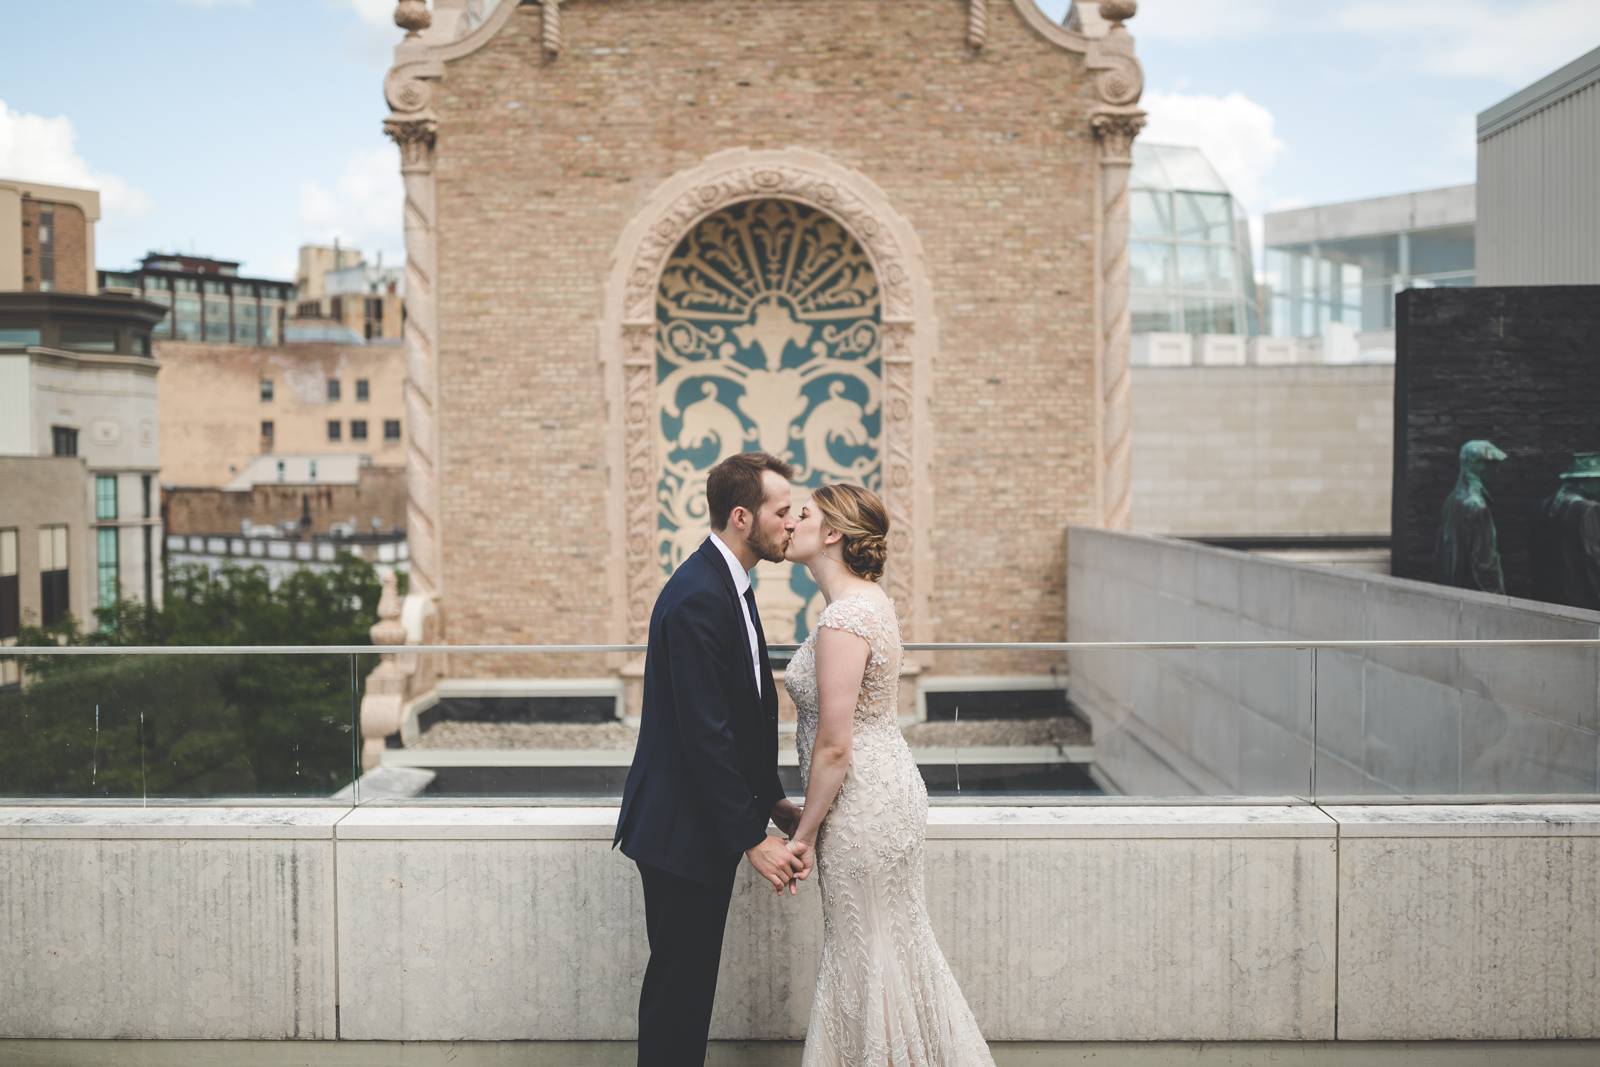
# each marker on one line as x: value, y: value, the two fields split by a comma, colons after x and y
x: 1143, y: 923
x: 1468, y: 721
x: 1295, y: 450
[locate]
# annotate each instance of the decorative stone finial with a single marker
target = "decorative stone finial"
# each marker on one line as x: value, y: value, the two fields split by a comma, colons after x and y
x: 388, y: 630
x: 551, y: 32
x: 1117, y: 12
x: 977, y: 24
x: 412, y: 16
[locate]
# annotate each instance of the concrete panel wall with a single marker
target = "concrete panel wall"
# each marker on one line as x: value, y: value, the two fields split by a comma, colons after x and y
x: 1141, y: 923
x: 167, y: 923
x: 1263, y: 450
x: 1485, y: 721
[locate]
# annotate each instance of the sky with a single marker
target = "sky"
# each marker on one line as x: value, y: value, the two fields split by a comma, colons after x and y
x: 242, y: 129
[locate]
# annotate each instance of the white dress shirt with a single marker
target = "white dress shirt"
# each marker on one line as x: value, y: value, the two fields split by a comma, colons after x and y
x: 741, y: 582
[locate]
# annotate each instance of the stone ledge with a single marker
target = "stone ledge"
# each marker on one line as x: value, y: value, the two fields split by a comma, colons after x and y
x: 1466, y: 820
x: 95, y: 822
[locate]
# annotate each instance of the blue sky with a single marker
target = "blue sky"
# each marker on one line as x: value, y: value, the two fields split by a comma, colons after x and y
x: 243, y: 128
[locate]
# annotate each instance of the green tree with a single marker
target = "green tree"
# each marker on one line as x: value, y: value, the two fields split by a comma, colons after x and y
x: 203, y: 725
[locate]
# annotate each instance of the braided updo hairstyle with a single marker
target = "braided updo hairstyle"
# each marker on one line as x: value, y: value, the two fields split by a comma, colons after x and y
x: 860, y: 516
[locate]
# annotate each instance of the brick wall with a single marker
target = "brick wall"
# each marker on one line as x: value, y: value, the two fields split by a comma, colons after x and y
x: 380, y: 494
x: 541, y: 164
x: 1514, y: 365
x: 70, y: 238
x: 211, y: 406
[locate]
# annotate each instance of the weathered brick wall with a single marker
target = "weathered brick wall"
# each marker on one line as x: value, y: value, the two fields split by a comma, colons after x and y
x: 540, y: 165
x: 1515, y: 365
x: 380, y: 494
x: 211, y: 406
x: 70, y: 240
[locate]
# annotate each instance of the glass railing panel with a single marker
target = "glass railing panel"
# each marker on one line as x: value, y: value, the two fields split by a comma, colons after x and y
x: 483, y: 726
x: 1197, y: 723
x: 1465, y: 722
x: 178, y: 726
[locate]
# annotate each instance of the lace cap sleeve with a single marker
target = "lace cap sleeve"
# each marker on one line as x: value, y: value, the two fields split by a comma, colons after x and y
x: 852, y: 614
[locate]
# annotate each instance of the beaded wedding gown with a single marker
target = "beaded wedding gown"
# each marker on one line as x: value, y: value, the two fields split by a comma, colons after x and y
x: 885, y: 995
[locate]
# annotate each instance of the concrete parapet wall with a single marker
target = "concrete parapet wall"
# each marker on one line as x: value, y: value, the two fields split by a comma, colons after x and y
x: 1140, y: 923
x: 1380, y: 721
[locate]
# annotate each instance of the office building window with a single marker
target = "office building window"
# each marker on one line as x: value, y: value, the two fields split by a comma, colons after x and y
x: 107, y: 566
x: 391, y: 429
x: 358, y: 429
x: 105, y: 496
x: 53, y: 588
x: 333, y: 389
x: 311, y: 470
x: 334, y: 433
x: 144, y: 485
x: 18, y: 338
x: 10, y: 595
x: 280, y: 470
x: 63, y: 441
x: 47, y: 250
x: 361, y: 389
x: 266, y: 390
x: 266, y: 434
x: 88, y: 339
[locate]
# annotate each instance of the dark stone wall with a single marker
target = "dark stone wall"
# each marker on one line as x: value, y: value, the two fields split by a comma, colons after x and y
x: 1518, y: 365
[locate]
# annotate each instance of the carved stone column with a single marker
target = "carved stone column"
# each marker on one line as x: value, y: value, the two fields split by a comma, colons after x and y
x: 413, y: 128
x: 1116, y: 122
x: 641, y: 469
x: 383, y: 700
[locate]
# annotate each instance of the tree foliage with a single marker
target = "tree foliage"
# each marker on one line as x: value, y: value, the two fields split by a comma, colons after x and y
x: 202, y: 725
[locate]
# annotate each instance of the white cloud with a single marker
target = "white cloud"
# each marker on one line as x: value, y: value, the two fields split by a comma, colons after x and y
x: 376, y: 13
x: 1235, y: 133
x: 362, y: 208
x: 40, y: 149
x: 1508, y: 42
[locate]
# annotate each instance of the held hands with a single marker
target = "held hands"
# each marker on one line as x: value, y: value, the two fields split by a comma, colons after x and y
x: 777, y: 863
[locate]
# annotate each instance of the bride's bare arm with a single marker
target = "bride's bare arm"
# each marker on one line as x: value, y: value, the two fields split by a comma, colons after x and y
x: 841, y: 662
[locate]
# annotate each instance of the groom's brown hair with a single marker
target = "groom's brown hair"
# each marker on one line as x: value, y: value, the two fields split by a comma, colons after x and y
x: 736, y: 483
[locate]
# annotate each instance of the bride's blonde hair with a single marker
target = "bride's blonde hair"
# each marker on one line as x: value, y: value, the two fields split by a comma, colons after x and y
x: 859, y: 515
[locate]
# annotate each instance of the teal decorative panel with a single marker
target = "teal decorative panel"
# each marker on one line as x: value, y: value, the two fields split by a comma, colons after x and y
x: 768, y: 337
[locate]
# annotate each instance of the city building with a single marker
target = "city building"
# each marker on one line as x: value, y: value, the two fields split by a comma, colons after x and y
x: 1332, y: 270
x: 46, y: 562
x: 77, y: 381
x: 208, y: 300
x: 341, y: 298
x: 47, y: 237
x: 1538, y: 173
x: 1191, y: 280
x: 223, y: 407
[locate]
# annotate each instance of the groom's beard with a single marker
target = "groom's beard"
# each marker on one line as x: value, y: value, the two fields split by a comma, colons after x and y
x: 771, y: 551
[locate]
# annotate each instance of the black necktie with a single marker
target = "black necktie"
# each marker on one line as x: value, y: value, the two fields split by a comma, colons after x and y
x: 761, y: 639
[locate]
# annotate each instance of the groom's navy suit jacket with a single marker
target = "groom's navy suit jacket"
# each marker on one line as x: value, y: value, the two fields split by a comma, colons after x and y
x: 705, y: 772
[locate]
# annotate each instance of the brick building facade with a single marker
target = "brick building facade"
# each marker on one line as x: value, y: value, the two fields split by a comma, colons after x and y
x: 224, y: 405
x: 951, y: 173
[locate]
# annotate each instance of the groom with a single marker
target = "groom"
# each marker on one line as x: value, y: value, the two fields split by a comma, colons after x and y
x: 704, y: 779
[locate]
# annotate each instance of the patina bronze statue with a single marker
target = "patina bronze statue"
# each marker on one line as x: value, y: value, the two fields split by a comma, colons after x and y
x: 1567, y: 563
x: 1467, y: 554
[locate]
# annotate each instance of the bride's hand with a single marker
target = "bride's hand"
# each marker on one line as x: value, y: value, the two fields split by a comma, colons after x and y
x: 806, y: 852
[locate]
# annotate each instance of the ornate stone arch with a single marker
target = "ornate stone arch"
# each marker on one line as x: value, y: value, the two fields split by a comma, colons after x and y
x: 627, y: 354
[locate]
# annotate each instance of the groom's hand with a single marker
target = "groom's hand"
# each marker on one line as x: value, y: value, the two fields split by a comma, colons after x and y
x: 774, y: 862
x: 786, y: 815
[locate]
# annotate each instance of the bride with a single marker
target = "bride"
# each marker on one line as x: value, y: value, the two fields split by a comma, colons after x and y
x: 885, y: 994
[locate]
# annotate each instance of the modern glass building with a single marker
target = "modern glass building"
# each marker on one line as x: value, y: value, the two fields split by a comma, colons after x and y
x: 1188, y: 246
x: 1332, y: 271
x: 208, y: 300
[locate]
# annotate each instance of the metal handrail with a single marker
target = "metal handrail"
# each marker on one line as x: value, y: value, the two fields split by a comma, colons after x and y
x: 946, y: 646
